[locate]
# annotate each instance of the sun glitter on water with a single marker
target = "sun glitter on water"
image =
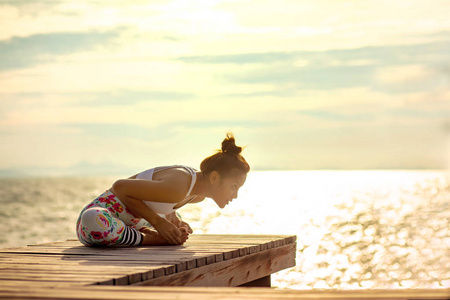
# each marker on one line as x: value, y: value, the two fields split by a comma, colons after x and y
x: 355, y: 229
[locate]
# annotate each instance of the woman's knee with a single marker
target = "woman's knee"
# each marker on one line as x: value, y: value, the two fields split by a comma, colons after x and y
x: 96, y: 226
x: 97, y: 218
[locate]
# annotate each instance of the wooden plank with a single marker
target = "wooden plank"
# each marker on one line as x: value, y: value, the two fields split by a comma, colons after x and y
x: 137, y: 270
x: 183, y: 293
x: 196, y: 253
x: 230, y: 272
x: 264, y: 240
x: 146, y: 269
x: 199, y: 238
x: 235, y: 242
x: 72, y: 267
x: 89, y: 276
x: 227, y: 251
x: 186, y: 258
x: 63, y: 278
x: 129, y: 268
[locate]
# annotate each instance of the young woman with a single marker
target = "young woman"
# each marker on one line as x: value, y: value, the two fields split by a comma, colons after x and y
x: 140, y: 210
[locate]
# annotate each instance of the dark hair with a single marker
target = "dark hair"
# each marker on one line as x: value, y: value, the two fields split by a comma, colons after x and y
x: 226, y: 161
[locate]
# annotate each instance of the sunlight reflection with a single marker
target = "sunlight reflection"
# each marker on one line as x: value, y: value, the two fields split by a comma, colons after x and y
x: 354, y: 229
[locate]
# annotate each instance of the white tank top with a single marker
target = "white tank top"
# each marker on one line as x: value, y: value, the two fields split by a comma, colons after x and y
x: 164, y: 208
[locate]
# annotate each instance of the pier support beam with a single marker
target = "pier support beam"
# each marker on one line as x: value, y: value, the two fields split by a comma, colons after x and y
x: 261, y: 282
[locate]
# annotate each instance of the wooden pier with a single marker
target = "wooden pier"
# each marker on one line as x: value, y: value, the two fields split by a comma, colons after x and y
x: 206, y: 267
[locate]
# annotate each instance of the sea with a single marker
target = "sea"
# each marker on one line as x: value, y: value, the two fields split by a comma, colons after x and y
x: 355, y: 229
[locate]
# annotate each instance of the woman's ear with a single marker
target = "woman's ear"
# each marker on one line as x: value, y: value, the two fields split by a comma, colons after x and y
x: 214, y: 177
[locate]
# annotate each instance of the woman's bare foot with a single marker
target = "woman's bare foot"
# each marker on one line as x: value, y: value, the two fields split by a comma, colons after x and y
x: 152, y: 237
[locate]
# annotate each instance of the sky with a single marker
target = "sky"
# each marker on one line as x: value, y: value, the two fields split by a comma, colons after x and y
x: 103, y: 87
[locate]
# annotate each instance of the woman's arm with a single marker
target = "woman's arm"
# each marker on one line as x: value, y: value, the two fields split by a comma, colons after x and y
x: 132, y: 192
x: 166, y: 229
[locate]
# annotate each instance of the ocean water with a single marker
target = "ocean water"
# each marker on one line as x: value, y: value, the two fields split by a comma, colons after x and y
x: 355, y: 229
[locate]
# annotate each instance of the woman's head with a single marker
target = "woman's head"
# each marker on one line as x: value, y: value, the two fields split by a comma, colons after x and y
x: 228, y: 161
x: 226, y: 170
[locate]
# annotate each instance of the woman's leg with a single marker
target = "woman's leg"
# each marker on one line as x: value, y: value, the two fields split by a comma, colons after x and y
x: 96, y: 226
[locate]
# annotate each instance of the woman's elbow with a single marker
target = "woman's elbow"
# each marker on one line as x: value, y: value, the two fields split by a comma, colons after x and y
x: 118, y: 186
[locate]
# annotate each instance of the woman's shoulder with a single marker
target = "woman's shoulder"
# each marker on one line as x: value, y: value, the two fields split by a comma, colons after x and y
x: 152, y: 173
x: 176, y: 181
x: 174, y: 174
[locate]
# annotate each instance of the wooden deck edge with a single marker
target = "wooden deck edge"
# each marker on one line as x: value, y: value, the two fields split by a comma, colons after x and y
x: 232, y: 272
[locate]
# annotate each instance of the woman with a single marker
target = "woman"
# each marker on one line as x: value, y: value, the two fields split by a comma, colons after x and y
x: 140, y: 210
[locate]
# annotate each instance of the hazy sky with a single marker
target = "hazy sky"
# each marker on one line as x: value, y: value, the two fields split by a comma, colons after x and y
x: 128, y: 85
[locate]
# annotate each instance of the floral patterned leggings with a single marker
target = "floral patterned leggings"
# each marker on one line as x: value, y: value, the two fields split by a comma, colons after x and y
x: 107, y: 222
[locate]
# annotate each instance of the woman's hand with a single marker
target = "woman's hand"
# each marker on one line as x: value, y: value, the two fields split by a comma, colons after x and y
x: 186, y: 225
x: 168, y: 231
x: 177, y: 221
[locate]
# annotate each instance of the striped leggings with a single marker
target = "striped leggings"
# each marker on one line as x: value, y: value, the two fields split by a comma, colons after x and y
x: 107, y: 222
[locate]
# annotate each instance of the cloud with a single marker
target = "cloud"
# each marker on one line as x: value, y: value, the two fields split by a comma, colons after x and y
x: 375, y: 55
x: 382, y: 68
x: 327, y: 24
x: 435, y: 116
x: 243, y: 58
x: 403, y: 74
x: 337, y: 116
x: 230, y: 123
x: 120, y: 97
x: 120, y: 131
x: 22, y: 52
x: 126, y: 131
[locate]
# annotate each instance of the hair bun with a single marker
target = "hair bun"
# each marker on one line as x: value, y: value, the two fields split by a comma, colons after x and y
x: 227, y: 161
x: 229, y: 145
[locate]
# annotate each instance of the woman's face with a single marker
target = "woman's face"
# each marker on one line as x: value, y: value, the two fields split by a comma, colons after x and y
x: 225, y: 189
